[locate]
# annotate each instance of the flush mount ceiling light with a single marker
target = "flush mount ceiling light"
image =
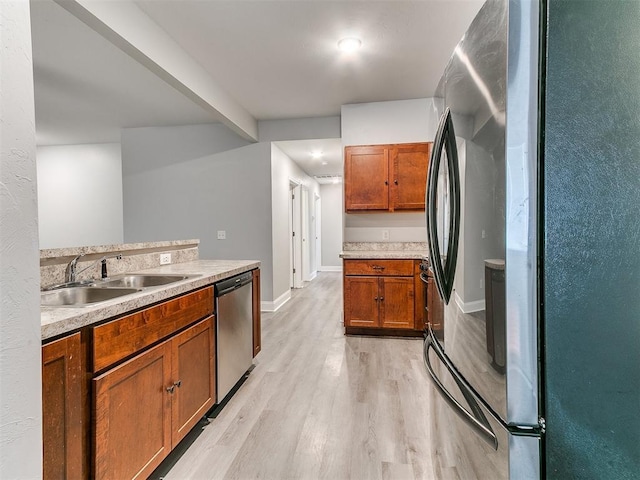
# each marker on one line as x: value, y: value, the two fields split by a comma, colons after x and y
x: 316, y: 154
x: 349, y: 44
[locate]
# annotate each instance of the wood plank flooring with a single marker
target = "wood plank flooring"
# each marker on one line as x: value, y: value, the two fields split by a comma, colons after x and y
x: 318, y: 404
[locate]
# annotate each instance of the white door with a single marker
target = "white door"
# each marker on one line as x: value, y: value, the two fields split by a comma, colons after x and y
x: 295, y: 231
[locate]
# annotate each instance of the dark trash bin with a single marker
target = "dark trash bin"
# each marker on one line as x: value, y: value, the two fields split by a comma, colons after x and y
x: 495, y: 313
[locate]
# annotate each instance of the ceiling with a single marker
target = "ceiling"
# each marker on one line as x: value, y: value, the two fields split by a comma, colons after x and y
x: 277, y: 59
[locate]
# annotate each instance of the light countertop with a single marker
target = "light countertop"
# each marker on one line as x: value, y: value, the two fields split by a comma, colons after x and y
x: 381, y: 250
x: 382, y: 254
x: 60, y: 320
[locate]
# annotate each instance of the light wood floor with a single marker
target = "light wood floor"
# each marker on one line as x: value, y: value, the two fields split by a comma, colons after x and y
x: 319, y: 405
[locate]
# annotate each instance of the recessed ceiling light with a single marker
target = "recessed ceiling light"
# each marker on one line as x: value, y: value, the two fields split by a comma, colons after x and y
x: 349, y: 44
x: 325, y: 163
x: 316, y: 154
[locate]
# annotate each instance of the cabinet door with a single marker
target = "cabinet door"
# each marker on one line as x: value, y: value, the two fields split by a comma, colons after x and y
x: 366, y: 175
x: 132, y: 422
x: 409, y: 163
x: 397, y: 302
x: 420, y: 289
x: 62, y: 412
x: 193, y: 377
x: 361, y: 302
x: 435, y: 305
x: 257, y: 324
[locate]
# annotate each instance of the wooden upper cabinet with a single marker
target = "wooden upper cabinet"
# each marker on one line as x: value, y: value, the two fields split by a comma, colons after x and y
x: 366, y: 177
x: 409, y: 165
x: 386, y: 177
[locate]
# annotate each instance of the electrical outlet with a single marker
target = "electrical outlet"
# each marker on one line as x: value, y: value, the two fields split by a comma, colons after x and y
x: 222, y: 234
x: 165, y: 258
x: 385, y: 234
x: 484, y: 234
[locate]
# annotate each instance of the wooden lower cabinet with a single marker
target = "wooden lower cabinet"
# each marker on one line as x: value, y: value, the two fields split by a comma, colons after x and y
x: 397, y: 302
x: 63, y: 409
x: 383, y: 301
x: 361, y: 308
x: 146, y: 405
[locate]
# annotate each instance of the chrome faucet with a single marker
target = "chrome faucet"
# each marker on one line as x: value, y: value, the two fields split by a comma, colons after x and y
x: 71, y: 273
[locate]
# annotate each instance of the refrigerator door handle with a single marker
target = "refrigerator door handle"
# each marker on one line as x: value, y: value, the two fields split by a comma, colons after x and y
x: 476, y: 420
x: 445, y: 140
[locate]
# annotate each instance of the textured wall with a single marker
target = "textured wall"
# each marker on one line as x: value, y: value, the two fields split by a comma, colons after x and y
x: 20, y: 367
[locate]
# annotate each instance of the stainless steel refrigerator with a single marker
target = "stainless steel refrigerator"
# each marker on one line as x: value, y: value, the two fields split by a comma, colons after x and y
x: 533, y: 195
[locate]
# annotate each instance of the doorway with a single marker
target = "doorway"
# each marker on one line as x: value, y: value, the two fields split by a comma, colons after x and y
x: 295, y: 270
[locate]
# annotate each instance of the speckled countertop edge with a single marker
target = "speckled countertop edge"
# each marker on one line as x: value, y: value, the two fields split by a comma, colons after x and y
x: 60, y: 320
x: 71, y: 251
x: 381, y: 254
x: 381, y: 250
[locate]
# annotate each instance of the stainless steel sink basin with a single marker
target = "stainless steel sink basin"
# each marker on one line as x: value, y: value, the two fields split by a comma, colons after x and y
x: 81, y: 296
x: 142, y: 281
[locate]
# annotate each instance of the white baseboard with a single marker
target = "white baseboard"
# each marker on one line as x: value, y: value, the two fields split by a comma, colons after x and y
x: 331, y: 268
x: 277, y: 303
x: 469, y: 307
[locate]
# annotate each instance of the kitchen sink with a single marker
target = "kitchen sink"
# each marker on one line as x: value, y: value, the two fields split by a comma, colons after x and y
x: 142, y: 281
x: 81, y: 296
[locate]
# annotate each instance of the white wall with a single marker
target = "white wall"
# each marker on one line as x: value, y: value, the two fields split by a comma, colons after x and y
x: 298, y: 129
x: 405, y: 121
x: 80, y: 195
x: 331, y: 225
x: 283, y: 170
x: 20, y: 347
x: 190, y: 182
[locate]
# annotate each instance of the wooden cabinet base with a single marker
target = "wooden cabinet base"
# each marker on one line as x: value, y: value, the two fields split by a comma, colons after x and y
x: 146, y: 405
x: 388, y: 332
x: 381, y: 297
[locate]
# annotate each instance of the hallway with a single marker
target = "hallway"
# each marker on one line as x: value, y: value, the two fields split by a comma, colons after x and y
x: 318, y: 404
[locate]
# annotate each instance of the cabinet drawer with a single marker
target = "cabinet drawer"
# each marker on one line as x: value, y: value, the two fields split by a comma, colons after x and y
x: 379, y: 267
x: 125, y: 336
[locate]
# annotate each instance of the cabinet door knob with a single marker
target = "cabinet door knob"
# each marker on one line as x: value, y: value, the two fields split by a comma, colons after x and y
x: 382, y: 299
x: 178, y: 383
x: 171, y: 388
x: 386, y: 182
x: 395, y: 182
x: 376, y: 299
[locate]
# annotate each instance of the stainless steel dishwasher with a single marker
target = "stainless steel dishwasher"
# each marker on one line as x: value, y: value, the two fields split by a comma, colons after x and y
x: 234, y: 331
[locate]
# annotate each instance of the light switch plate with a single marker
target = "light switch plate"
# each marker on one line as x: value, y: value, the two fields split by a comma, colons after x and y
x: 222, y: 234
x: 165, y: 258
x: 385, y: 234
